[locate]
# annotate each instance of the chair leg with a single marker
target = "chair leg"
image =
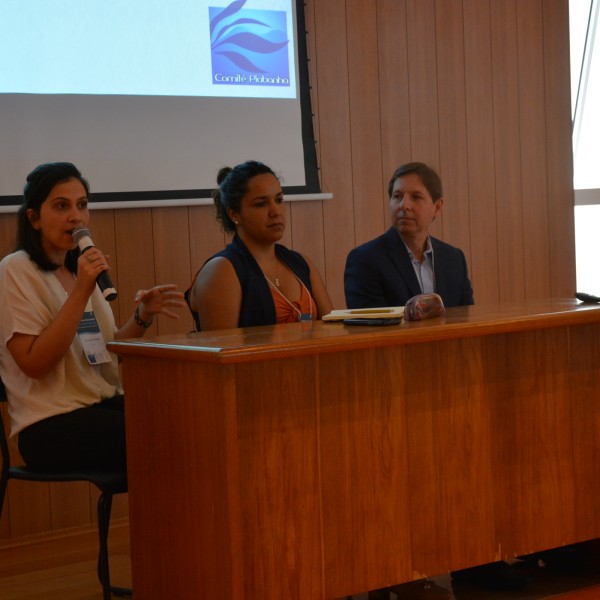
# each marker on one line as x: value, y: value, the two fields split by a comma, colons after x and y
x: 3, y: 484
x: 104, y: 508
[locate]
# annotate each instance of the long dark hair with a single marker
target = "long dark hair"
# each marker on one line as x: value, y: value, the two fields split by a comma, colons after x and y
x: 40, y: 183
x: 233, y: 185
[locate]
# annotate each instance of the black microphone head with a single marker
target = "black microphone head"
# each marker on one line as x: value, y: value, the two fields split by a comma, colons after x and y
x: 80, y: 232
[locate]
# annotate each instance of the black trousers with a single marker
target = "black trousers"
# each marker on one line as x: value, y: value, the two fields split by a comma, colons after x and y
x: 93, y: 436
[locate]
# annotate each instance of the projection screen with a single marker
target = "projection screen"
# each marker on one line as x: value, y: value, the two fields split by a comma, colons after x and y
x: 150, y: 98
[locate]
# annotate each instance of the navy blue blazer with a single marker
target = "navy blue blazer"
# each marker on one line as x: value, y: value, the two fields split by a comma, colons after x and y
x: 380, y: 273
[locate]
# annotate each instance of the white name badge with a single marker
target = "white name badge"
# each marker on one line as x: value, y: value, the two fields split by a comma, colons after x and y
x: 91, y: 339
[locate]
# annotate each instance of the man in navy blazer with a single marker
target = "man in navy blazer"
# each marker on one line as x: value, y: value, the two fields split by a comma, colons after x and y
x: 406, y: 260
x: 403, y: 262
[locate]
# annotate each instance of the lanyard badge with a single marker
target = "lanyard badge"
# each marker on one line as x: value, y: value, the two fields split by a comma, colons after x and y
x: 91, y: 339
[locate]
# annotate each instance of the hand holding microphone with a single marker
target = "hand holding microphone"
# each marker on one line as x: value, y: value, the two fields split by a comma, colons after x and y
x: 82, y: 237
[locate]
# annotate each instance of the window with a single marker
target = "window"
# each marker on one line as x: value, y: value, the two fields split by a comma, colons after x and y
x: 585, y: 102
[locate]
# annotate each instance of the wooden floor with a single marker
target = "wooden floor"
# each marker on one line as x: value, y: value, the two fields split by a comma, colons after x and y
x: 65, y: 569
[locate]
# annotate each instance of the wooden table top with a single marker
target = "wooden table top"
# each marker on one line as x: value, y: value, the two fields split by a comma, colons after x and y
x: 293, y: 339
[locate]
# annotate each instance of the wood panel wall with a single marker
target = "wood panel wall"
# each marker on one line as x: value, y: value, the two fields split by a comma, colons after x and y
x: 477, y: 88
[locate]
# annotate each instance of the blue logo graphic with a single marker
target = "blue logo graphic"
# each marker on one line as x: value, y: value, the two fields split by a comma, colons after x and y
x: 249, y: 46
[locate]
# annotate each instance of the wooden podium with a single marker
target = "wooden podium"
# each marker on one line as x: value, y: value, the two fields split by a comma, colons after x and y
x: 313, y: 462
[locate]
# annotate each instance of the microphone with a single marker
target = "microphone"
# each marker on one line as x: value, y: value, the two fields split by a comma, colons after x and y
x: 81, y: 236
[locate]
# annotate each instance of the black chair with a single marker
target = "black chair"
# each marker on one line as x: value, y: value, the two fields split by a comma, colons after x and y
x: 109, y: 483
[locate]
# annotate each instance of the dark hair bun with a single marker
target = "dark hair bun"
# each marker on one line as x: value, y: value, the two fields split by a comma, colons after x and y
x: 222, y: 174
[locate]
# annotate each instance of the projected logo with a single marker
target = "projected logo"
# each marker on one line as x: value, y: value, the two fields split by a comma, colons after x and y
x: 249, y: 46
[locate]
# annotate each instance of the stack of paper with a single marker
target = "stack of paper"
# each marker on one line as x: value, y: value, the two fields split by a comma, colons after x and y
x: 385, y: 312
